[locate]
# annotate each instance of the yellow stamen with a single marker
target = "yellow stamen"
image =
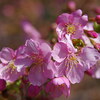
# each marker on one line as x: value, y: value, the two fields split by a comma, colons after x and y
x: 73, y: 58
x: 71, y: 29
x: 11, y: 65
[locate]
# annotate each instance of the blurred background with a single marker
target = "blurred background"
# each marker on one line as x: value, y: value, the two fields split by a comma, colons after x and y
x: 42, y: 15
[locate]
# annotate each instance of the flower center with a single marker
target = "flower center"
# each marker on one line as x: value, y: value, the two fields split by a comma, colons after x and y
x: 11, y: 65
x: 71, y: 61
x: 37, y: 59
x: 73, y: 58
x: 71, y: 29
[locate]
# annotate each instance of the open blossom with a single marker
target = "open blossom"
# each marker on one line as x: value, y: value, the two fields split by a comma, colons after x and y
x: 72, y: 63
x: 42, y: 66
x: 58, y: 86
x: 12, y: 63
x: 72, y: 24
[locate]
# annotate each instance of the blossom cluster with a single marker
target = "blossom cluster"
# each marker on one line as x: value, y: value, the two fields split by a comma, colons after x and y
x: 54, y: 69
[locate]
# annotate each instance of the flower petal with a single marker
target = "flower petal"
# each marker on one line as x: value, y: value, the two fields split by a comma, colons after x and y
x: 22, y: 63
x: 6, y: 55
x: 65, y: 18
x: 75, y: 74
x: 60, y: 68
x: 89, y: 56
x: 46, y: 50
x: 49, y: 69
x: 61, y: 31
x: 32, y: 46
x: 77, y: 12
x: 36, y: 76
x: 59, y: 52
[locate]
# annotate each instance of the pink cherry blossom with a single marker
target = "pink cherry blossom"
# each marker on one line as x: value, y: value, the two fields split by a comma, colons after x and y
x: 42, y: 65
x: 72, y: 24
x: 13, y: 63
x: 72, y: 63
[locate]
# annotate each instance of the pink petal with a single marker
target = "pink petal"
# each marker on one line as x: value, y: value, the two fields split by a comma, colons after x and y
x: 77, y: 12
x: 6, y: 55
x: 45, y: 49
x: 59, y: 52
x: 36, y: 76
x: 75, y: 74
x: 65, y: 18
x: 89, y: 56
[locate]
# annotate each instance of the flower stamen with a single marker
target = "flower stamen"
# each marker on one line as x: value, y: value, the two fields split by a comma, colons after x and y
x: 71, y: 29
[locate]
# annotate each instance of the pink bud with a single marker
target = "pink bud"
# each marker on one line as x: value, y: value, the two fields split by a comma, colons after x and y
x: 97, y: 10
x: 2, y: 84
x: 71, y: 5
x: 92, y: 34
x: 97, y: 18
x: 33, y: 90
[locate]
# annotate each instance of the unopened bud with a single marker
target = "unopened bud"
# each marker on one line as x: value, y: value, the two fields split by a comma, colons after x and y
x: 2, y: 84
x: 97, y: 10
x: 71, y: 5
x: 33, y: 90
x: 97, y: 18
x: 92, y: 34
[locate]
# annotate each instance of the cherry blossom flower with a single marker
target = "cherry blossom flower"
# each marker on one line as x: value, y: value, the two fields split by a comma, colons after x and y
x: 72, y: 63
x: 13, y: 63
x: 72, y: 24
x: 42, y: 66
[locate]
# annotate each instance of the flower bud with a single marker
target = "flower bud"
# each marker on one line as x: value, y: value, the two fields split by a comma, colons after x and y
x: 71, y: 5
x: 97, y: 18
x: 33, y: 90
x: 2, y: 84
x: 92, y: 34
x: 97, y: 10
